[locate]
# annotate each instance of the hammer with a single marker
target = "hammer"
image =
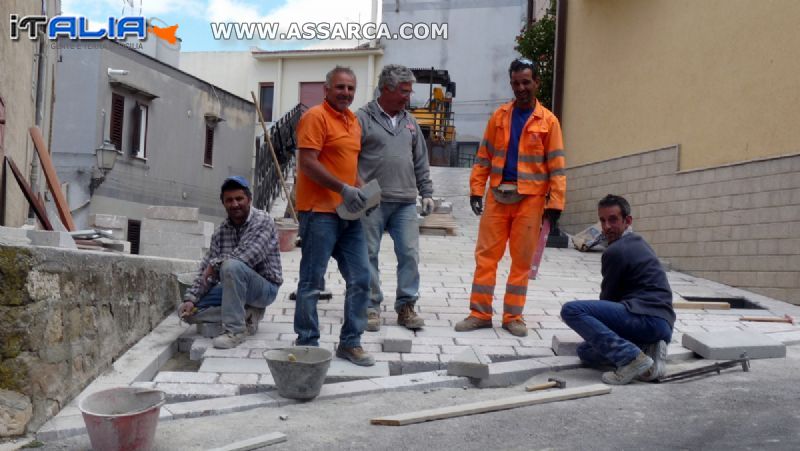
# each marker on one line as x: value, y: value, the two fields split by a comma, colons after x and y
x: 551, y: 382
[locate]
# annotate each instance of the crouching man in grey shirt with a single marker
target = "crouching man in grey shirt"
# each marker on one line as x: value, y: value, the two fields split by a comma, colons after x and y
x: 393, y: 151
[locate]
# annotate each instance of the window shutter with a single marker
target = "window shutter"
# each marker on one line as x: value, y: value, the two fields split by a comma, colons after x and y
x: 136, y: 123
x: 209, y: 153
x: 117, y: 115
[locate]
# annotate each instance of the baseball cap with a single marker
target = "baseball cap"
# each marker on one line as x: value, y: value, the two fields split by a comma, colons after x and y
x: 234, y: 180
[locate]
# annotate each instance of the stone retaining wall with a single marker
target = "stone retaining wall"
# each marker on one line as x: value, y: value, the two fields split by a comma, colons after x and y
x: 737, y: 224
x: 66, y: 315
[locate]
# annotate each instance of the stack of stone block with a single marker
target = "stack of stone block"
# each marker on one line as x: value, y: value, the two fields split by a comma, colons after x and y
x: 175, y: 232
x: 117, y: 225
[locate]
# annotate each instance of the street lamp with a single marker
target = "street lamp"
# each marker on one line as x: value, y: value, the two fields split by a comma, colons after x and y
x: 106, y: 155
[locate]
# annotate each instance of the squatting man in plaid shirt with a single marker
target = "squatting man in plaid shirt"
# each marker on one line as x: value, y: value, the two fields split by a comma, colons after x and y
x: 241, y: 273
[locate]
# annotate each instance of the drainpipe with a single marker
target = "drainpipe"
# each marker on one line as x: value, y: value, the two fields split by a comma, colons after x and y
x: 560, y: 51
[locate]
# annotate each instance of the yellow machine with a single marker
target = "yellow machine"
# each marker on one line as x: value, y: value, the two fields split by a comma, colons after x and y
x: 435, y: 117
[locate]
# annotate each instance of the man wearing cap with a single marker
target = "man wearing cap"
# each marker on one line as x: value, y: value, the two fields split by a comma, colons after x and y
x: 328, y: 142
x: 522, y: 157
x: 241, y: 273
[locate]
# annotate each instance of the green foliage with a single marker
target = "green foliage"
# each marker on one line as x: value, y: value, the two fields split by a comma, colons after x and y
x: 537, y: 42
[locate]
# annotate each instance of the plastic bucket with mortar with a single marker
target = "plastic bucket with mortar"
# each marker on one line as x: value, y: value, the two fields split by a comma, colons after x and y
x: 299, y: 371
x: 287, y: 234
x: 123, y: 418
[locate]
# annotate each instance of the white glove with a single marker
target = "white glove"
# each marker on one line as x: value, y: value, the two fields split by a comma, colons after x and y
x: 354, y: 198
x: 427, y: 206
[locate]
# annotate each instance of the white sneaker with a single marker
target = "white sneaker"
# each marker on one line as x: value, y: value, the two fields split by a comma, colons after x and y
x: 228, y: 340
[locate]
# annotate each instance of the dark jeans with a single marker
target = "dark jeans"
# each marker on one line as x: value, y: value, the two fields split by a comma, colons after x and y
x: 612, y: 334
x: 325, y: 235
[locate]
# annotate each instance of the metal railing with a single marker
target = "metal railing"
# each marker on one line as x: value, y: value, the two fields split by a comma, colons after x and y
x: 266, y: 183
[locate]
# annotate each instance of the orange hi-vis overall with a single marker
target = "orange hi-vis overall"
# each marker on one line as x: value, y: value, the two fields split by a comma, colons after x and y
x: 540, y: 172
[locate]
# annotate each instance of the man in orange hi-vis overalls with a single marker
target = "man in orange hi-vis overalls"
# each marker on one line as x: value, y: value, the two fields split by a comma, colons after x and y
x: 522, y: 156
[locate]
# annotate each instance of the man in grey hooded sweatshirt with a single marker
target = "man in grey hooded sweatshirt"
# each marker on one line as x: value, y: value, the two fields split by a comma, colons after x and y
x: 393, y: 151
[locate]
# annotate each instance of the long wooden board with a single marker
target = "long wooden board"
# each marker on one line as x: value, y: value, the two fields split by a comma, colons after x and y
x: 492, y: 405
x: 38, y: 207
x: 701, y: 305
x: 52, y: 179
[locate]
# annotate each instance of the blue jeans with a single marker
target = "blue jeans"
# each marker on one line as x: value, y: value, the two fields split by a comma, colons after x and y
x: 325, y: 235
x: 400, y: 220
x: 239, y: 286
x: 612, y: 334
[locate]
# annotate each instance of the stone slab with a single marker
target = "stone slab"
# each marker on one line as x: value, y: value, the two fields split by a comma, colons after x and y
x: 106, y: 221
x: 396, y: 340
x: 470, y: 363
x: 787, y: 338
x: 186, y: 377
x: 177, y: 252
x: 254, y: 443
x: 13, y: 236
x: 198, y: 348
x: 233, y: 365
x: 730, y: 344
x: 349, y: 388
x: 172, y: 213
x: 187, y: 227
x: 566, y: 344
x: 342, y: 370
x: 219, y: 406
x: 51, y: 239
x: 182, y: 392
x: 424, y: 380
x: 156, y: 237
x: 504, y: 374
x: 561, y: 363
x: 676, y: 353
x: 233, y: 353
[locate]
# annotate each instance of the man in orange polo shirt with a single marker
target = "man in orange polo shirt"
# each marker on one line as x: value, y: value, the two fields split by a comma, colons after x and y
x: 329, y: 141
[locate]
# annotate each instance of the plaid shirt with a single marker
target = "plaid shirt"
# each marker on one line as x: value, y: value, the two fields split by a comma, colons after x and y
x: 255, y: 243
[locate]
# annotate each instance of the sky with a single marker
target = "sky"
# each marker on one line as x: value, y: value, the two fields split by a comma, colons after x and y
x: 195, y: 16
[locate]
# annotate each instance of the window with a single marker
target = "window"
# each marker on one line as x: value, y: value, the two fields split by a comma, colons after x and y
x: 134, y: 234
x: 209, y: 153
x: 266, y: 95
x: 117, y: 116
x: 139, y: 134
x: 312, y: 92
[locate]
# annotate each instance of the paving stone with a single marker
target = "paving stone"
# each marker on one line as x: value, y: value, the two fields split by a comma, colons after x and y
x: 541, y: 351
x: 218, y: 406
x: 424, y: 380
x: 231, y: 365
x: 191, y: 392
x: 172, y: 213
x: 487, y: 341
x: 233, y: 353
x: 470, y: 363
x: 186, y: 377
x: 59, y: 427
x: 504, y: 374
x: 729, y: 345
x: 349, y: 388
x: 787, y: 338
x: 450, y: 332
x: 239, y: 378
x: 199, y: 347
x: 51, y: 239
x: 566, y: 344
x: 342, y: 370
x: 561, y: 363
x: 397, y: 340
x: 499, y: 353
x: 417, y: 363
x: 676, y: 353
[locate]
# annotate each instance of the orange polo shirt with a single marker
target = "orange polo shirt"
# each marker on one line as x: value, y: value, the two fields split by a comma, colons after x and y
x: 337, y: 138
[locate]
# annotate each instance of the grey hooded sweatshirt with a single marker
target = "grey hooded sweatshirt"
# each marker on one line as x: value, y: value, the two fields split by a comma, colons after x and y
x: 397, y: 157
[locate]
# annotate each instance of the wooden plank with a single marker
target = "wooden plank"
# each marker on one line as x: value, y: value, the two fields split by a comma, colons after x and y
x: 254, y: 443
x: 701, y: 305
x: 52, y: 179
x: 492, y: 405
x: 38, y: 207
x: 769, y: 319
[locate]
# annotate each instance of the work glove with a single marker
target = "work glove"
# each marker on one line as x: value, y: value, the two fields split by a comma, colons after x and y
x: 354, y: 198
x: 552, y: 214
x: 427, y: 206
x: 476, y: 203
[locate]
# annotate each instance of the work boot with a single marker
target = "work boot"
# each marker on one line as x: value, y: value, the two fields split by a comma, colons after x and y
x: 228, y: 340
x: 658, y: 352
x: 373, y: 320
x: 516, y: 327
x: 253, y: 316
x: 471, y: 323
x: 409, y: 318
x: 356, y: 355
x: 625, y: 374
